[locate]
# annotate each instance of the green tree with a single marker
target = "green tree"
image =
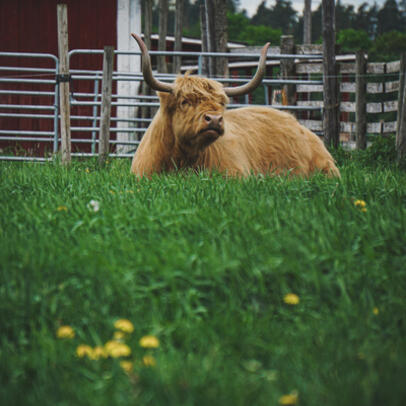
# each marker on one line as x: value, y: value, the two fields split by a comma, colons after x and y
x: 260, y: 34
x: 351, y: 40
x: 389, y: 46
x: 345, y: 16
x: 262, y: 15
x: 281, y: 15
x: 390, y: 18
x: 237, y: 23
x: 366, y: 19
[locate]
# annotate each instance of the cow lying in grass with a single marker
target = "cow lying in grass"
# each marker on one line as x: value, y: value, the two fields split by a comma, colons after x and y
x: 193, y: 129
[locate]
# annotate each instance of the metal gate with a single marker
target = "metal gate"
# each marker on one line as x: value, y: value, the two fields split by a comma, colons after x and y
x: 127, y: 131
x: 13, y: 83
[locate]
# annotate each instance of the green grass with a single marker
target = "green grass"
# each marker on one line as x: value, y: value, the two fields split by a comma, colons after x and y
x: 203, y: 263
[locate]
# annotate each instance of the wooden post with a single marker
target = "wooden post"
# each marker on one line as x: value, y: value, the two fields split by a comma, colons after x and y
x: 104, y: 135
x: 360, y: 99
x: 178, y: 35
x: 63, y: 78
x: 145, y: 89
x: 205, y: 46
x: 331, y: 122
x: 288, y: 70
x: 210, y: 34
x: 307, y: 22
x: 163, y: 30
x: 147, y: 11
x: 220, y: 36
x: 401, y: 120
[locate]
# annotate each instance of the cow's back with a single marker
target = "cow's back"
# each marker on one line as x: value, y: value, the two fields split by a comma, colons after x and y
x: 272, y: 140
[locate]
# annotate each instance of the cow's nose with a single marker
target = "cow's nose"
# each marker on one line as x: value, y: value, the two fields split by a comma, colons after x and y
x: 213, y: 120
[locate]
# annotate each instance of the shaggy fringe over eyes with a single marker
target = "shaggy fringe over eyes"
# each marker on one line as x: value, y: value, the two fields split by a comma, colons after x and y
x: 195, y: 88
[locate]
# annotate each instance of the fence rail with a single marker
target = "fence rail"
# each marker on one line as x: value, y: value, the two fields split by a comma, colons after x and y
x: 18, y: 81
x: 19, y: 101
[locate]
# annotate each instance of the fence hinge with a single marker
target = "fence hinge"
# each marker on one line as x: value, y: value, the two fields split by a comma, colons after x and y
x: 60, y: 78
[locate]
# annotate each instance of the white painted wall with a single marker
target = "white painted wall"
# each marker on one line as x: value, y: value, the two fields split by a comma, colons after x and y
x: 128, y: 21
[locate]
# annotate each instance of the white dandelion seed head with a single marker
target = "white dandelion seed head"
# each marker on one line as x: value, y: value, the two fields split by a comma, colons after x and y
x: 94, y: 205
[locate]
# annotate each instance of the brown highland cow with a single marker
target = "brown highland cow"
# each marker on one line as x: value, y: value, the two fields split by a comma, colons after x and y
x: 193, y: 129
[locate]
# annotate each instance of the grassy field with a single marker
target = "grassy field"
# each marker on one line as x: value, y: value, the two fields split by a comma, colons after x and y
x: 261, y: 291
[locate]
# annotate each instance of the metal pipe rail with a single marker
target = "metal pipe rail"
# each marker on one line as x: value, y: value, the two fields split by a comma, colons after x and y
x: 77, y: 140
x: 53, y: 135
x: 236, y: 105
x: 199, y: 54
x: 38, y: 76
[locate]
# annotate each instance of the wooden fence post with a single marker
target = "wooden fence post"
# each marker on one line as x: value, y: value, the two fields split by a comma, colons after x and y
x: 330, y: 77
x: 360, y: 99
x: 104, y: 135
x: 163, y: 31
x: 178, y: 35
x: 145, y: 89
x: 63, y: 78
x: 210, y: 35
x: 307, y: 22
x: 205, y: 45
x: 401, y: 119
x: 288, y: 70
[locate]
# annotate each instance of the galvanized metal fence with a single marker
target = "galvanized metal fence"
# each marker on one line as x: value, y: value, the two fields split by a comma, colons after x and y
x: 30, y: 75
x: 128, y: 128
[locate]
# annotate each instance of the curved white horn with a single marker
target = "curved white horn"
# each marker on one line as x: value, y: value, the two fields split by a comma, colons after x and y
x: 147, y: 69
x: 255, y: 81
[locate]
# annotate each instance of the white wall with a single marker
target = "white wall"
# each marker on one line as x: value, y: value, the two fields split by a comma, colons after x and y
x: 128, y: 21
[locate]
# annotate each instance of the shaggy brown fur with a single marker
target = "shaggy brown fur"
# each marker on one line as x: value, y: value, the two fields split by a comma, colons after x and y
x: 247, y: 140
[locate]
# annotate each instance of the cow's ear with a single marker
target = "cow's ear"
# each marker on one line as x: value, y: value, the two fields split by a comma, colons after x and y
x: 166, y: 100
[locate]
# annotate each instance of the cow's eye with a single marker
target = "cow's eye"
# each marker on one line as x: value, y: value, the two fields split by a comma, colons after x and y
x: 185, y: 103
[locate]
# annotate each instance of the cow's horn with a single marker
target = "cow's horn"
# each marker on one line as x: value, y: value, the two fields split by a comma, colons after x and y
x: 255, y: 81
x: 147, y: 69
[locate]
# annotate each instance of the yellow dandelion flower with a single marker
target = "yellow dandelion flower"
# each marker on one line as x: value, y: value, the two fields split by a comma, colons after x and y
x: 375, y: 311
x: 291, y: 299
x: 149, y: 342
x: 62, y: 208
x: 87, y: 170
x: 118, y: 335
x: 116, y: 349
x: 65, y: 332
x: 127, y: 366
x: 148, y: 360
x: 83, y: 350
x: 97, y: 353
x: 124, y: 325
x: 110, y: 345
x: 289, y: 399
x: 360, y: 203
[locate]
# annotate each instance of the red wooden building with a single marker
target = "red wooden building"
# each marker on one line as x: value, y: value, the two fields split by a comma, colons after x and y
x: 30, y: 26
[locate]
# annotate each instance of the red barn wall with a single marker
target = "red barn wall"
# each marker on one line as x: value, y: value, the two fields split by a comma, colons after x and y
x: 31, y: 26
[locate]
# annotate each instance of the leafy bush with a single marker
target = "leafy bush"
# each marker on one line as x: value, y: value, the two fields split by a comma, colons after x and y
x: 389, y: 46
x: 239, y: 29
x: 352, y: 40
x: 382, y: 151
x: 259, y: 34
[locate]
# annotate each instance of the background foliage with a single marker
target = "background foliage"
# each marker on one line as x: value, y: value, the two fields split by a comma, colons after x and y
x: 379, y: 30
